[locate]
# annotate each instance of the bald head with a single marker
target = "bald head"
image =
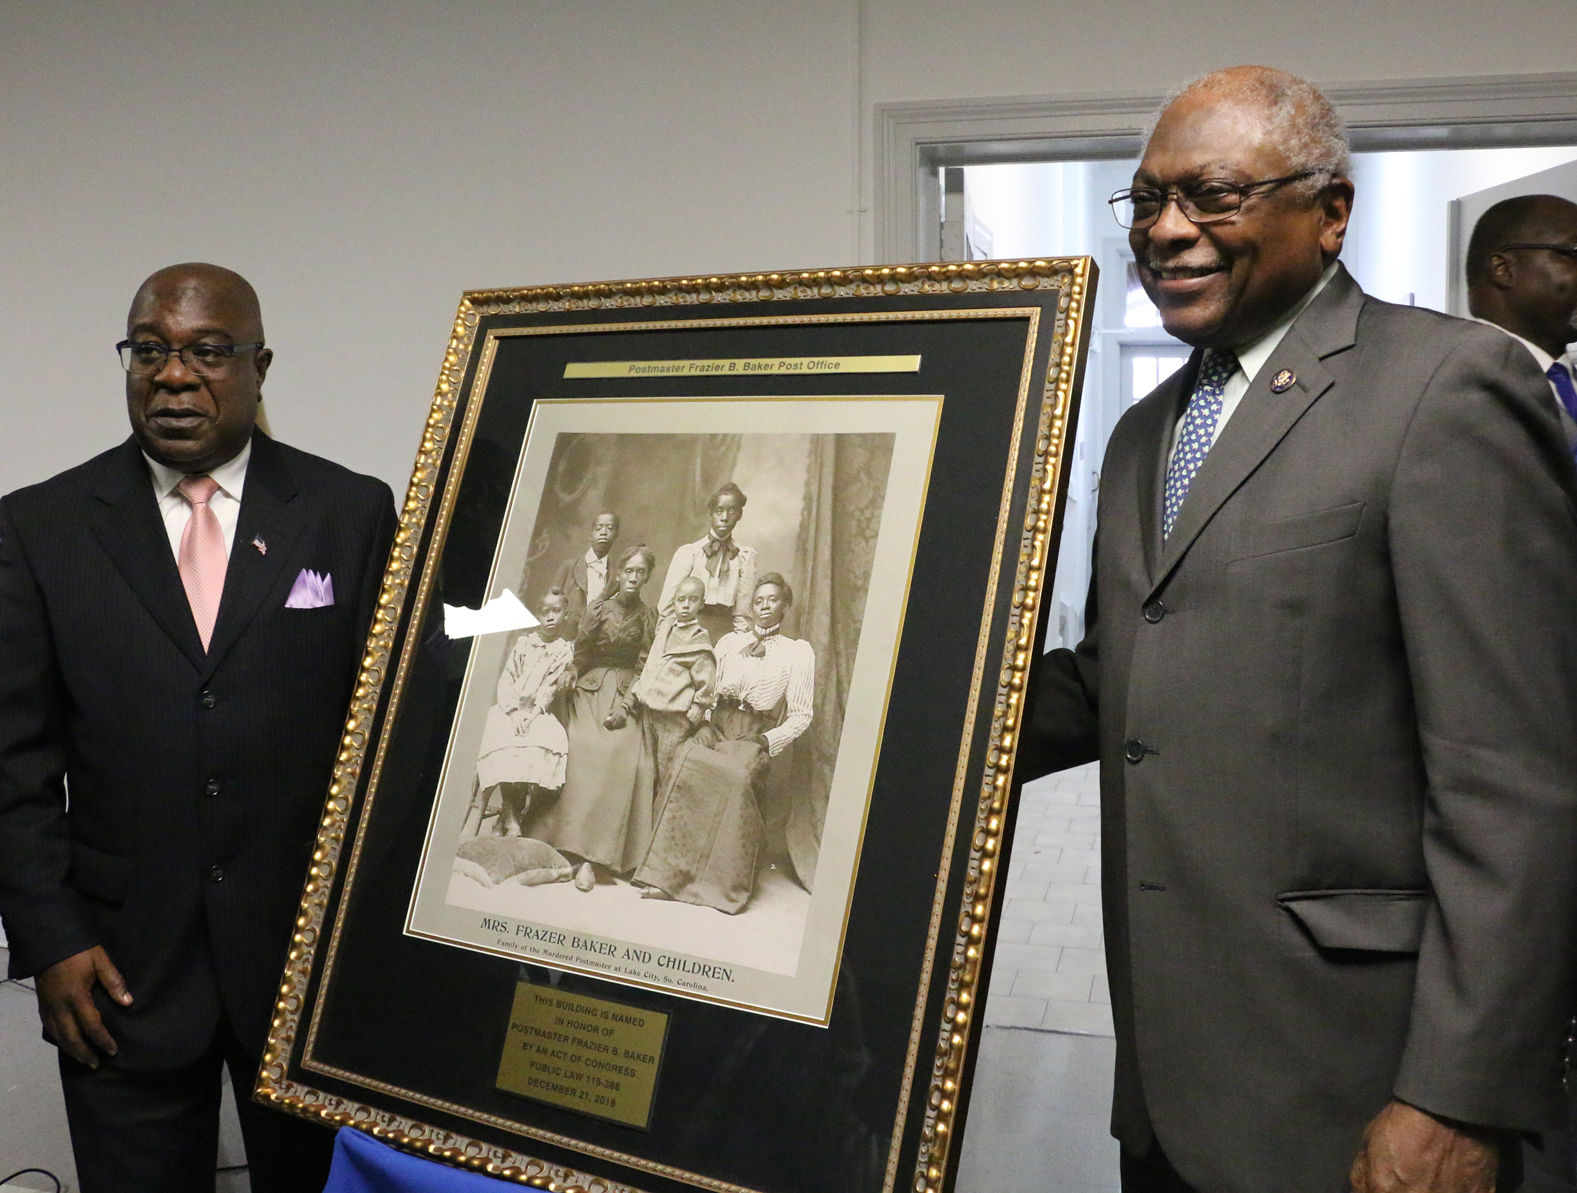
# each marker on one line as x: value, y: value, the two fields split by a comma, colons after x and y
x: 1522, y: 218
x: 219, y: 287
x: 1522, y: 272
x: 197, y: 407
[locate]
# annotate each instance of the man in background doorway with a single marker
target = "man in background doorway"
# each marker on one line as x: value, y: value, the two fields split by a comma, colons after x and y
x: 1331, y: 684
x: 181, y: 624
x: 1522, y: 277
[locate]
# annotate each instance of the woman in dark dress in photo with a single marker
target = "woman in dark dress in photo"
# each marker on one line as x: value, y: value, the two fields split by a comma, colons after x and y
x: 603, y: 818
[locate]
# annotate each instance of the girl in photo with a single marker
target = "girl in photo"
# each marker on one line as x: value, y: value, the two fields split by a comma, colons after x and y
x: 524, y: 746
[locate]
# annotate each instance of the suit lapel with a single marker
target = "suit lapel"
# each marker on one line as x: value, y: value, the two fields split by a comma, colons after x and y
x: 1263, y: 418
x: 125, y: 520
x: 267, y: 517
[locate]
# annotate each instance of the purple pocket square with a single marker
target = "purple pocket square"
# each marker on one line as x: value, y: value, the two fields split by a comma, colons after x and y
x: 311, y: 591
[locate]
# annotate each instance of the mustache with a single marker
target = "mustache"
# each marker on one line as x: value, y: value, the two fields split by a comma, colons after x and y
x: 1182, y: 268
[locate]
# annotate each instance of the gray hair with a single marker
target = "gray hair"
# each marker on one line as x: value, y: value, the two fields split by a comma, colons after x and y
x: 1297, y: 117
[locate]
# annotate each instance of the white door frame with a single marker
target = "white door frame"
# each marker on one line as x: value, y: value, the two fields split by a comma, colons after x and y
x: 915, y: 139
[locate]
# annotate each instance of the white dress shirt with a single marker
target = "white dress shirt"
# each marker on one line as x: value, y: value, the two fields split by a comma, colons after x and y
x: 596, y: 574
x: 1544, y: 360
x: 225, y: 503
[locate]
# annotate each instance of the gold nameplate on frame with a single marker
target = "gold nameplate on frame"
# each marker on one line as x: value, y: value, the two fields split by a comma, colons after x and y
x: 800, y: 365
x: 585, y: 1054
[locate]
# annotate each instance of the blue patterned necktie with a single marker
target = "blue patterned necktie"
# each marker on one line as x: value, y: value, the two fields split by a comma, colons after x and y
x: 1199, y: 428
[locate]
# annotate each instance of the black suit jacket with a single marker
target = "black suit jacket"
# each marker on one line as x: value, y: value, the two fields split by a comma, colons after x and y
x: 1335, y: 714
x: 195, y: 780
x: 574, y: 582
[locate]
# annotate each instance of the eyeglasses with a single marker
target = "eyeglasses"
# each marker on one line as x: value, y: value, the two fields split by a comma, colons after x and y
x: 147, y: 357
x: 1565, y: 250
x: 1206, y: 201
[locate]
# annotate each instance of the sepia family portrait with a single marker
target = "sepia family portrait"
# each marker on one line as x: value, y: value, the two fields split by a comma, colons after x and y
x: 636, y: 728
x: 657, y: 754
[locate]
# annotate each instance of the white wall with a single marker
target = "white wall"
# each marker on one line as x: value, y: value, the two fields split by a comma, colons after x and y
x: 363, y: 163
x: 927, y: 49
x: 1399, y: 249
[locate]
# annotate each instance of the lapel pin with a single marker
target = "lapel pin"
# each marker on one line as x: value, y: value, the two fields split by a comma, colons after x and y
x: 1283, y: 381
x: 262, y: 547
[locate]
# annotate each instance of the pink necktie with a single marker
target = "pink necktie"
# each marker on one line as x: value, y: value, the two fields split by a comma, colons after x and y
x: 202, y: 556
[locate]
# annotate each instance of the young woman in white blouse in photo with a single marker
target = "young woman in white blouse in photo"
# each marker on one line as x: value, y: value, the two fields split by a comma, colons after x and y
x: 708, y: 828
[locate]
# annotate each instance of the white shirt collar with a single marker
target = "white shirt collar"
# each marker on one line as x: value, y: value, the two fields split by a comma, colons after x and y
x: 229, y: 476
x: 1253, y: 355
x: 1544, y: 358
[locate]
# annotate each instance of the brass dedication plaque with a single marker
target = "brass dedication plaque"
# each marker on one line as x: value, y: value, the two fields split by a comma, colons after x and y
x: 585, y: 1054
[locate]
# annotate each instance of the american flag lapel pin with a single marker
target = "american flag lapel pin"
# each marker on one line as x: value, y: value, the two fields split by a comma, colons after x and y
x: 262, y: 547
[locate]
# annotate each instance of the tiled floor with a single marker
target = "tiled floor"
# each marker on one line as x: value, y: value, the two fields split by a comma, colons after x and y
x: 1038, y: 1108
x: 1048, y: 971
x: 33, y: 1117
x: 1039, y: 1114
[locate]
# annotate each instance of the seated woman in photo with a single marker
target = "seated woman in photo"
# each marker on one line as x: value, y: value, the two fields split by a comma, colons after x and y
x: 708, y: 831
x: 603, y: 818
x: 523, y: 742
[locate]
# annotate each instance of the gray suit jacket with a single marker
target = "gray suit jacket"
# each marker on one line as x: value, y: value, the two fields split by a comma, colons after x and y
x: 1568, y: 423
x: 1335, y: 714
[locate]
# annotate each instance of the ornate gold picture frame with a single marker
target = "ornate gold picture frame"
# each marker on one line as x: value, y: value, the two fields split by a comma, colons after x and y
x: 568, y: 923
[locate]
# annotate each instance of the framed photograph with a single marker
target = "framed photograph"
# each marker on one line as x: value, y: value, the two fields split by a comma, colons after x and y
x: 661, y: 850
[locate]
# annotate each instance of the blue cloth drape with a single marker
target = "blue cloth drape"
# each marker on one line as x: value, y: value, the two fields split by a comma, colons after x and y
x: 364, y: 1165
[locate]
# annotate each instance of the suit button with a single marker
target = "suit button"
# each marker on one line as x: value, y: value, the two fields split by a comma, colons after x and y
x: 208, y: 700
x: 1154, y: 611
x: 211, y: 787
x: 1133, y: 749
x: 216, y: 874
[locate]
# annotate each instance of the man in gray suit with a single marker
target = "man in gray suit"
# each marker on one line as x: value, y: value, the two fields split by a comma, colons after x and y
x: 1332, y: 684
x: 1522, y: 277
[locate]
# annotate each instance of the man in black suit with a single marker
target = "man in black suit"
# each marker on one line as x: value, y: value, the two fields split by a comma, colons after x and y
x: 195, y: 729
x: 1332, y: 686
